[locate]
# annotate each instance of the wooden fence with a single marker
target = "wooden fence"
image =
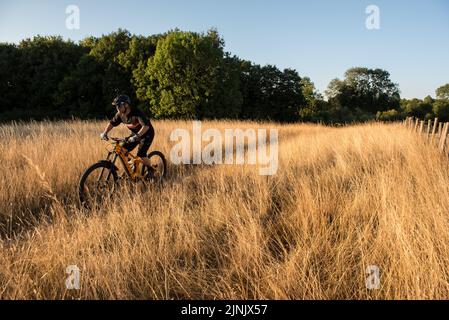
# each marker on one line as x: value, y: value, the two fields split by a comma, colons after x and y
x: 434, y: 131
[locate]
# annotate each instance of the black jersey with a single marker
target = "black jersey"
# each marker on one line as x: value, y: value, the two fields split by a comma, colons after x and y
x: 132, y: 121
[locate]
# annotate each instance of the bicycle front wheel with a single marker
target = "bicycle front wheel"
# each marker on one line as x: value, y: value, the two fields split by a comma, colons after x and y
x: 97, y: 184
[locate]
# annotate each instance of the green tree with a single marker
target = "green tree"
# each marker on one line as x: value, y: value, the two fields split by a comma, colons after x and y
x: 428, y: 100
x: 287, y: 97
x: 253, y: 98
x: 107, y: 66
x: 108, y: 51
x: 390, y: 115
x: 309, y: 91
x: 269, y: 93
x: 443, y: 92
x: 315, y: 108
x: 11, y: 81
x: 370, y: 90
x: 416, y: 107
x: 80, y: 94
x: 44, y: 63
x: 186, y: 77
x: 441, y: 110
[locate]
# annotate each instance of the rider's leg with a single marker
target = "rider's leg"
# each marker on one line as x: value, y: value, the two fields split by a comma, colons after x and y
x: 130, y: 146
x: 146, y: 161
x: 144, y: 145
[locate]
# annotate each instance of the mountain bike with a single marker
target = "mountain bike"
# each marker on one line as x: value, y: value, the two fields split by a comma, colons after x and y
x: 102, y: 179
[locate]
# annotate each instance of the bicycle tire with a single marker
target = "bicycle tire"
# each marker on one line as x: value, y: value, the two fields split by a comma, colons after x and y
x: 81, y: 192
x: 164, y: 161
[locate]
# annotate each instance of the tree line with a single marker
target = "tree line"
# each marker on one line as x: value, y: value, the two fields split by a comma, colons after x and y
x: 186, y: 75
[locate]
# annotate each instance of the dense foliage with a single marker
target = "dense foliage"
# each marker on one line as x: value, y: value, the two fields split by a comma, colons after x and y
x: 186, y: 75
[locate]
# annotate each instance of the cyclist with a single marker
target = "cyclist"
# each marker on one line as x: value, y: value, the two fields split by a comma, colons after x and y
x: 137, y: 122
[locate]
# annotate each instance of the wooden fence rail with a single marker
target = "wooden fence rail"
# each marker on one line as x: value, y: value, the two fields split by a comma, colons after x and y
x: 435, y: 132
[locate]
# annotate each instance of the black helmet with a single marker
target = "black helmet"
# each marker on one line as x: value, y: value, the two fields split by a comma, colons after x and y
x: 121, y: 99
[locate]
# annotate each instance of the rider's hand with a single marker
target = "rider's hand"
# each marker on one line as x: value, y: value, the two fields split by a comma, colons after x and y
x: 134, y: 138
x: 104, y: 136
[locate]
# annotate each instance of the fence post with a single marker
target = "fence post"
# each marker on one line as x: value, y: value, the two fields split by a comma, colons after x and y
x: 429, y: 125
x: 415, y: 128
x: 440, y: 127
x: 434, y: 130
x: 443, y: 137
x: 421, y: 126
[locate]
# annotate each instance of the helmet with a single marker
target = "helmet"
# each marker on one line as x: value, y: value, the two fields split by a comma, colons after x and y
x: 121, y: 99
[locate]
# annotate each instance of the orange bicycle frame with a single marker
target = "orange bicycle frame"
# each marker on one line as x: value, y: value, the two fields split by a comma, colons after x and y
x: 121, y: 152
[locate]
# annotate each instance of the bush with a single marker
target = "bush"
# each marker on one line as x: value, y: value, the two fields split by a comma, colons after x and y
x: 441, y: 110
x: 390, y: 115
x: 416, y: 108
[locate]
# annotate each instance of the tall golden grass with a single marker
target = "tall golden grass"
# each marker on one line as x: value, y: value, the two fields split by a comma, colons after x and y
x: 343, y: 199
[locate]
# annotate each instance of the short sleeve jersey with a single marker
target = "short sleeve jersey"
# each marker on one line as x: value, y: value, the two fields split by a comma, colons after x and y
x: 132, y: 121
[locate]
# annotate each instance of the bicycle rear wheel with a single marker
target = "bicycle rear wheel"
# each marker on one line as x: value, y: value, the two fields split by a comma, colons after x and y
x: 97, y: 184
x: 158, y: 170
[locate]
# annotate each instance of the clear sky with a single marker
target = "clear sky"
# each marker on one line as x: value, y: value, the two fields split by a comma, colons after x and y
x: 321, y: 39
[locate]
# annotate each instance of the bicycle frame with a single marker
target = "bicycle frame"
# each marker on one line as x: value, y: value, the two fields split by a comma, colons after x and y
x: 123, y: 154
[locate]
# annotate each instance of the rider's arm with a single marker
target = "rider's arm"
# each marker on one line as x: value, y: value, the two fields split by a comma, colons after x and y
x: 109, y: 127
x: 145, y: 127
x: 144, y: 122
x: 113, y: 123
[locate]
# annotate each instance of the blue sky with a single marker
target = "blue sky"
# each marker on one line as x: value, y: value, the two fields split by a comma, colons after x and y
x: 321, y: 39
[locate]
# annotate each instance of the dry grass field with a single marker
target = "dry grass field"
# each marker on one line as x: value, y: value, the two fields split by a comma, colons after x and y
x: 342, y: 199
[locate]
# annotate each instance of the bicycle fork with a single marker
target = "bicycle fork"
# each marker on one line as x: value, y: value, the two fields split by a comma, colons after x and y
x: 110, y: 170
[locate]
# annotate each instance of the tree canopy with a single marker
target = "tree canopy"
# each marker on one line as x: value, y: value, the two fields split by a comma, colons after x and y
x: 186, y: 75
x: 366, y: 89
x: 443, y: 92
